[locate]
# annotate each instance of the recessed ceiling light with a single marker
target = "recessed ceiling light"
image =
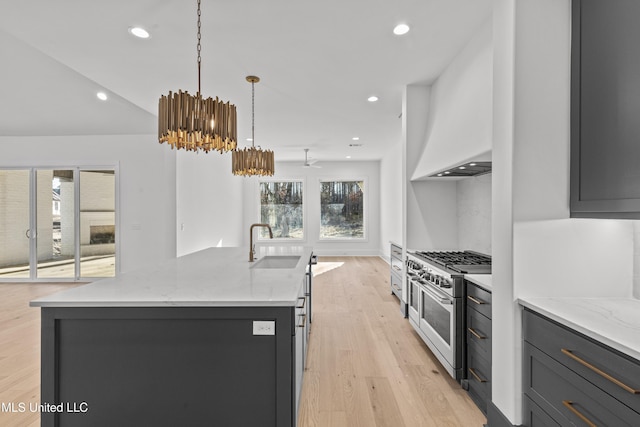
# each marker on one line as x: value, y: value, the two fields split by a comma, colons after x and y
x: 249, y: 139
x: 372, y: 98
x: 401, y: 29
x: 102, y: 96
x: 447, y: 173
x: 472, y: 164
x: 439, y: 174
x: 462, y: 167
x: 139, y: 32
x: 356, y: 138
x: 348, y: 157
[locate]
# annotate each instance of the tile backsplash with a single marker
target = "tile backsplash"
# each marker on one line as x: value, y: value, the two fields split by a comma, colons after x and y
x: 474, y: 213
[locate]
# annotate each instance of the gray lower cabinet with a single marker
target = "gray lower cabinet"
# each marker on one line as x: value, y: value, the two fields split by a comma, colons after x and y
x: 535, y: 416
x: 570, y: 379
x: 478, y: 348
x: 395, y: 258
x: 173, y: 366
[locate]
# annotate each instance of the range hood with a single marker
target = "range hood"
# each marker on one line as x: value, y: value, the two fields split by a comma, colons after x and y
x: 458, y: 123
x: 464, y: 170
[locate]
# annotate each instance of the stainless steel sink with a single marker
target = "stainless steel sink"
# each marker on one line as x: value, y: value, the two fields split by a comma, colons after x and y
x: 276, y: 261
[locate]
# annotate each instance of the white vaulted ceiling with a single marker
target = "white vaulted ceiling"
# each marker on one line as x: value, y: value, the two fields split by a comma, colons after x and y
x: 318, y: 62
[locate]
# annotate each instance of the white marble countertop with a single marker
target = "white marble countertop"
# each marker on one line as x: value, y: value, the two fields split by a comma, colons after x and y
x: 612, y: 321
x: 482, y: 280
x: 211, y: 277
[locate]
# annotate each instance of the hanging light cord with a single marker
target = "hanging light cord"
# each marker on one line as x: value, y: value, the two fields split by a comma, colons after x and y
x: 199, y: 48
x: 253, y: 97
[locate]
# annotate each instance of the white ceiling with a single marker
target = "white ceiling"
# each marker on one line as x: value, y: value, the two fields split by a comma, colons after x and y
x: 318, y: 62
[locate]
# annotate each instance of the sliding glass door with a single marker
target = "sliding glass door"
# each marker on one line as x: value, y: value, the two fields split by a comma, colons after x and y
x: 55, y: 249
x: 15, y: 226
x: 57, y: 224
x: 97, y: 229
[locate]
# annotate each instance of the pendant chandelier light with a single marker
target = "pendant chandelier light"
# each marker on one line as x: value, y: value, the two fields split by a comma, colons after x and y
x: 252, y: 161
x: 193, y: 123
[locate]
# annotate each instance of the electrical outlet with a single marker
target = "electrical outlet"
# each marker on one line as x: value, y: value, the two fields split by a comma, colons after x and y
x: 264, y: 327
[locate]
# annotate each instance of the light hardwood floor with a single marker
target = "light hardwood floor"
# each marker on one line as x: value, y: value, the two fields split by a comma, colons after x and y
x: 365, y: 367
x: 20, y: 349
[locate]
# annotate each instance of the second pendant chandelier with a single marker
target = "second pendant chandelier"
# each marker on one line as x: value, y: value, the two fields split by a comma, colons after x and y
x: 252, y: 161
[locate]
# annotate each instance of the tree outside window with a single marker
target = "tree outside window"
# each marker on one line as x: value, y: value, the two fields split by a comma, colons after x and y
x: 281, y: 208
x: 342, y: 210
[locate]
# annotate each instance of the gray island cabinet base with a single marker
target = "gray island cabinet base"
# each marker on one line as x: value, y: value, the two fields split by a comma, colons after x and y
x: 207, y: 339
x: 176, y: 366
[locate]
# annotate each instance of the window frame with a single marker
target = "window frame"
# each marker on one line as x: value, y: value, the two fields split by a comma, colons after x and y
x: 365, y: 211
x: 302, y: 181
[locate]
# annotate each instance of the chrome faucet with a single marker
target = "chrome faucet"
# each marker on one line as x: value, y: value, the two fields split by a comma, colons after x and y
x: 252, y: 248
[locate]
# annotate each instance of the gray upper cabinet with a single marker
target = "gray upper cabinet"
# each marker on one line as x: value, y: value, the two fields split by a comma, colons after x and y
x: 605, y: 109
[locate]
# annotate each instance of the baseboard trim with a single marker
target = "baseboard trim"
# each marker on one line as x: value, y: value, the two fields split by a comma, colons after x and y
x: 495, y: 417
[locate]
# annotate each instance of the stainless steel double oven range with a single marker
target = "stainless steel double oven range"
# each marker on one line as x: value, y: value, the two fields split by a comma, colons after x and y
x: 435, y: 282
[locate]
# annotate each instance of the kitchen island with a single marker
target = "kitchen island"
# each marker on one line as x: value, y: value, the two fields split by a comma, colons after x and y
x: 204, y: 339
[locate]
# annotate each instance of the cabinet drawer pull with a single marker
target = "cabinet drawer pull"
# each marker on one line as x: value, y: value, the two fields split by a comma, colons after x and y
x: 475, y: 300
x: 569, y: 405
x: 476, y: 334
x: 477, y: 377
x: 304, y: 320
x: 598, y: 371
x: 303, y: 301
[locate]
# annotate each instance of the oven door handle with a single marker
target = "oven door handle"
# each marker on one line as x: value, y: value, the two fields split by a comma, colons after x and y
x: 433, y: 288
x: 442, y: 300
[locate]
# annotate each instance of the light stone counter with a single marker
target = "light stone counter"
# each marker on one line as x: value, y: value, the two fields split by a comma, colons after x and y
x: 211, y: 277
x: 612, y: 321
x: 482, y: 280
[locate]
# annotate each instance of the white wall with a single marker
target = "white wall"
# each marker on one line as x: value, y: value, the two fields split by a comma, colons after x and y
x: 474, y: 213
x: 433, y: 216
x: 459, y: 121
x: 369, y: 171
x: 391, y: 206
x: 146, y: 184
x: 587, y: 258
x: 506, y: 387
x: 209, y: 202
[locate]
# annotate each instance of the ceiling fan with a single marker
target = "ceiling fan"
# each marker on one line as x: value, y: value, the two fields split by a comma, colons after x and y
x: 307, y: 163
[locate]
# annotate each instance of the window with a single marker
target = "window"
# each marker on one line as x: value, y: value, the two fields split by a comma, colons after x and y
x: 281, y: 208
x: 342, y: 209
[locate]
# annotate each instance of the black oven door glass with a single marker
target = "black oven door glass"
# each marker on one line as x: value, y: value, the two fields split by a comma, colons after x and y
x: 438, y: 317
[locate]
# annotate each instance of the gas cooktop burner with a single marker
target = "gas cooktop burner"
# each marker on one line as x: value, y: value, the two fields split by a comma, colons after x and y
x: 459, y: 261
